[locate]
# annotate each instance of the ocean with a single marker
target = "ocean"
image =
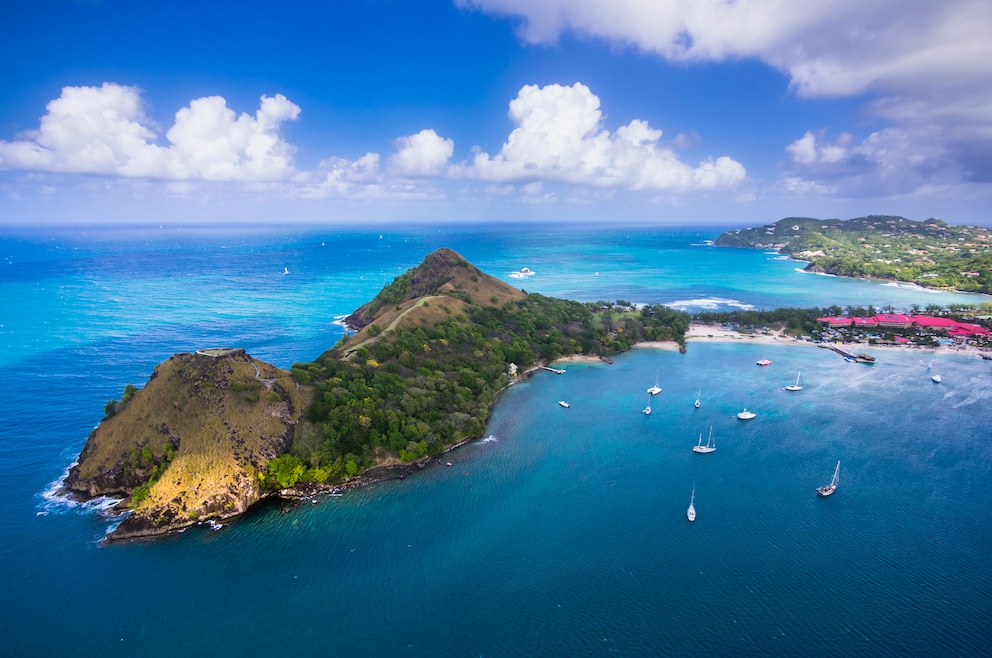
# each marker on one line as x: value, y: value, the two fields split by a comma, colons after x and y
x: 563, y: 532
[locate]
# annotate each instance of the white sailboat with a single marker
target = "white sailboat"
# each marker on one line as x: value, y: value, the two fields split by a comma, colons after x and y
x: 691, y: 512
x: 832, y: 487
x: 709, y: 447
x: 564, y: 404
x: 746, y: 415
x: 655, y: 390
x: 647, y: 409
x: 697, y: 398
x: 796, y: 386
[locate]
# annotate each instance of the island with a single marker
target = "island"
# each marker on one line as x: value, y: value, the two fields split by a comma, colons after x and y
x: 214, y: 432
x: 929, y: 253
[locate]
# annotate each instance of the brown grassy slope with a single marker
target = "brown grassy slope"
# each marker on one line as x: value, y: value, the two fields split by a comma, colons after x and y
x: 442, y: 273
x: 223, y: 424
x: 425, y: 311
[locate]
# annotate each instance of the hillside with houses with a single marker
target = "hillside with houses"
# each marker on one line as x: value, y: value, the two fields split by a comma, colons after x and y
x: 929, y: 253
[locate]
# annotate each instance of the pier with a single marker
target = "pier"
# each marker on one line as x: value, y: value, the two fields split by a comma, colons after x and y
x: 860, y: 358
x: 554, y: 370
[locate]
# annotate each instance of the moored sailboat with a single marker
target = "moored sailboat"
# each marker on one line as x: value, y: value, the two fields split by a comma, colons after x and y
x: 796, y: 386
x: 709, y: 447
x: 691, y: 512
x: 697, y: 398
x: 655, y: 390
x: 828, y: 489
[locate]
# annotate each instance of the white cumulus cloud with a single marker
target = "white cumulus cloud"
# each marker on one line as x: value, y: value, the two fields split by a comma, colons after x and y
x: 423, y: 154
x: 103, y: 130
x: 559, y: 137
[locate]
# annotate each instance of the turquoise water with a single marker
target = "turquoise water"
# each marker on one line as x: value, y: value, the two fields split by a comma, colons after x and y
x: 564, y: 532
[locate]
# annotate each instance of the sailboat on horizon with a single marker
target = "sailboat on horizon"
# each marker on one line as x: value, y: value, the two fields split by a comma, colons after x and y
x: 691, y: 512
x: 796, y: 386
x: 828, y: 489
x: 709, y: 447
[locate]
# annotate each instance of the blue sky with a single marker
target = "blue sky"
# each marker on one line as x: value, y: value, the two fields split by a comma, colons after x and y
x: 668, y: 112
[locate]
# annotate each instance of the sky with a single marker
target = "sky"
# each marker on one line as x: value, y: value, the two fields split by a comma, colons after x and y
x: 661, y: 112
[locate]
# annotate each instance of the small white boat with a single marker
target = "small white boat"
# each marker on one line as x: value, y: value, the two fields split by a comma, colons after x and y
x: 696, y: 403
x: 564, y: 404
x: 796, y: 386
x: 936, y: 379
x: 522, y: 273
x: 655, y: 390
x: 691, y: 512
x: 709, y: 447
x: 285, y: 270
x: 746, y: 415
x: 763, y: 362
x: 828, y: 489
x: 647, y: 409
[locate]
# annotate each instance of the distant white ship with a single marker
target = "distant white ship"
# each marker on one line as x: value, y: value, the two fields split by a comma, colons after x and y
x: 564, y: 404
x: 523, y: 272
x: 691, y: 512
x: 746, y: 415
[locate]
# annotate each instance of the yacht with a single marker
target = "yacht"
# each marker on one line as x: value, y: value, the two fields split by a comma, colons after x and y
x: 746, y: 415
x: 796, y: 386
x: 564, y: 404
x: 696, y: 404
x: 523, y: 272
x: 691, y: 512
x: 936, y: 379
x: 828, y: 489
x: 655, y: 390
x: 763, y: 362
x: 709, y: 447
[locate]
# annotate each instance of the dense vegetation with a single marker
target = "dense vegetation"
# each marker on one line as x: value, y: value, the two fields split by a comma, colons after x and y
x: 416, y: 390
x: 930, y: 253
x: 803, y: 321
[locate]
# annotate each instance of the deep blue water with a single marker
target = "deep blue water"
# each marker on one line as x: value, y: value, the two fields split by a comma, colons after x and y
x: 565, y: 532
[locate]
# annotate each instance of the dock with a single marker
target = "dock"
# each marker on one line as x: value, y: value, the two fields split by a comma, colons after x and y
x: 860, y: 358
x: 554, y: 370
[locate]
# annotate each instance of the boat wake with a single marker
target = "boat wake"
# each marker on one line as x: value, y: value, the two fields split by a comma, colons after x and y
x: 489, y: 439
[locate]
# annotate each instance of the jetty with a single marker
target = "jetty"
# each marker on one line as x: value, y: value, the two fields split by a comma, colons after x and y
x: 554, y: 370
x: 859, y: 358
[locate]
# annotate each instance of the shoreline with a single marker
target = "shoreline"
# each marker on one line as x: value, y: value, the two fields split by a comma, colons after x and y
x: 392, y: 470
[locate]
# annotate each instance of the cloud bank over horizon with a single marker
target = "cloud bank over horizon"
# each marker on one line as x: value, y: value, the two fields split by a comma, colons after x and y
x: 924, y: 67
x: 559, y: 137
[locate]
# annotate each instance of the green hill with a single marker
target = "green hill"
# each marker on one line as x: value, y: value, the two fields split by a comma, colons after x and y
x: 930, y: 253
